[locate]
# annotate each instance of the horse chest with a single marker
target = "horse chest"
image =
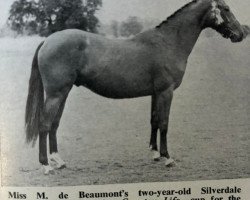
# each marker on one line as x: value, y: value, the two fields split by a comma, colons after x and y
x: 168, y: 75
x: 178, y: 75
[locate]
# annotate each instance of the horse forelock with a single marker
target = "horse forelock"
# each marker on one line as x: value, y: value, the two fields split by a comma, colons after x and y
x: 216, y: 12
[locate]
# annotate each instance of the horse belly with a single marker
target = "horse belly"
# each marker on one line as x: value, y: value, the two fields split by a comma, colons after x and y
x: 118, y: 85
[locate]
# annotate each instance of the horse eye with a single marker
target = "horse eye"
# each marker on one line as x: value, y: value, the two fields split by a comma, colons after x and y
x: 227, y: 9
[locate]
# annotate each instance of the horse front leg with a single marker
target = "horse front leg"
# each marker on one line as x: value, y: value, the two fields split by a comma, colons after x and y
x: 154, y: 128
x: 163, y: 109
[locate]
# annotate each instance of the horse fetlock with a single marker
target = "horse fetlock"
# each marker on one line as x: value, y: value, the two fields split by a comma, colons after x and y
x: 48, y: 169
x: 153, y: 147
x: 43, y: 160
x: 156, y: 155
x: 164, y: 154
x: 55, y: 157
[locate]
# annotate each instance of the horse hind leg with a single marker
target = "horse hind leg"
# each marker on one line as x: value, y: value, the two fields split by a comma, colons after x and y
x: 51, y: 108
x: 54, y: 155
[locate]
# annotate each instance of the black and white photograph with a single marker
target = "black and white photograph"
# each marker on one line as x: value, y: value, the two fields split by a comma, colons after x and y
x: 97, y: 92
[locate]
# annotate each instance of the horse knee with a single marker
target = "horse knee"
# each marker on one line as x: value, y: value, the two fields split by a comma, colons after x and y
x: 163, y: 126
x: 154, y: 122
x: 154, y: 125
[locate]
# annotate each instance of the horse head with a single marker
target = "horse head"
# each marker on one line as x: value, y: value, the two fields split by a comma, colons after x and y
x: 220, y: 18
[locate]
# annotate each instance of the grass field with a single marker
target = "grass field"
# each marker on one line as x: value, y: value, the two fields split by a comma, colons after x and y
x: 106, y: 141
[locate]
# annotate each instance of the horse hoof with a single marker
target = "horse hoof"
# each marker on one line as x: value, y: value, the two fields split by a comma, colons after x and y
x: 169, y: 162
x: 156, y: 155
x: 48, y: 170
x: 61, y: 166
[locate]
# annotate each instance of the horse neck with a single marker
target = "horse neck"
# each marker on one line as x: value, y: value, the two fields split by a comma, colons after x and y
x: 183, y: 29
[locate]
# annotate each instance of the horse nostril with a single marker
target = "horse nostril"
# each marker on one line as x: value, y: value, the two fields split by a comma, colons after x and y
x: 242, y: 35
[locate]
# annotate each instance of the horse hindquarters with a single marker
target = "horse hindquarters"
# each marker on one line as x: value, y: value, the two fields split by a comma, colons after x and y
x: 56, y: 92
x: 42, y: 117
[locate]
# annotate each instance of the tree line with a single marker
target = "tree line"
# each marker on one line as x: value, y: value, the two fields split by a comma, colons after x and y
x: 45, y: 17
x: 131, y: 26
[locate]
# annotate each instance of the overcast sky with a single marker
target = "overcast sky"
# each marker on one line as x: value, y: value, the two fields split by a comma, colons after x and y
x: 157, y: 9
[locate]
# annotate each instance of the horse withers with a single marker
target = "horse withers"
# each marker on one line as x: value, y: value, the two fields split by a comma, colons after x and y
x: 150, y: 64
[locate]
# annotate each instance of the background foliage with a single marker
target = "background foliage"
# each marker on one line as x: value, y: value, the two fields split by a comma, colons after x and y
x: 131, y: 26
x: 44, y: 17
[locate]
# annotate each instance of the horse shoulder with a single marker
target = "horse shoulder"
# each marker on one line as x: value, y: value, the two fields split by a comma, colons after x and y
x: 167, y: 70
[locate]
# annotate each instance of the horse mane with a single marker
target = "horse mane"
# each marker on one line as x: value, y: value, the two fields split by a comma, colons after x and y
x: 176, y: 12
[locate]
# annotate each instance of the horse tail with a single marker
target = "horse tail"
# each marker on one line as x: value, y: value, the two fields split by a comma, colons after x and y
x: 35, y: 101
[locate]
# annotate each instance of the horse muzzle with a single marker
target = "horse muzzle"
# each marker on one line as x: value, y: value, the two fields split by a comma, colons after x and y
x: 237, y: 37
x: 237, y: 34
